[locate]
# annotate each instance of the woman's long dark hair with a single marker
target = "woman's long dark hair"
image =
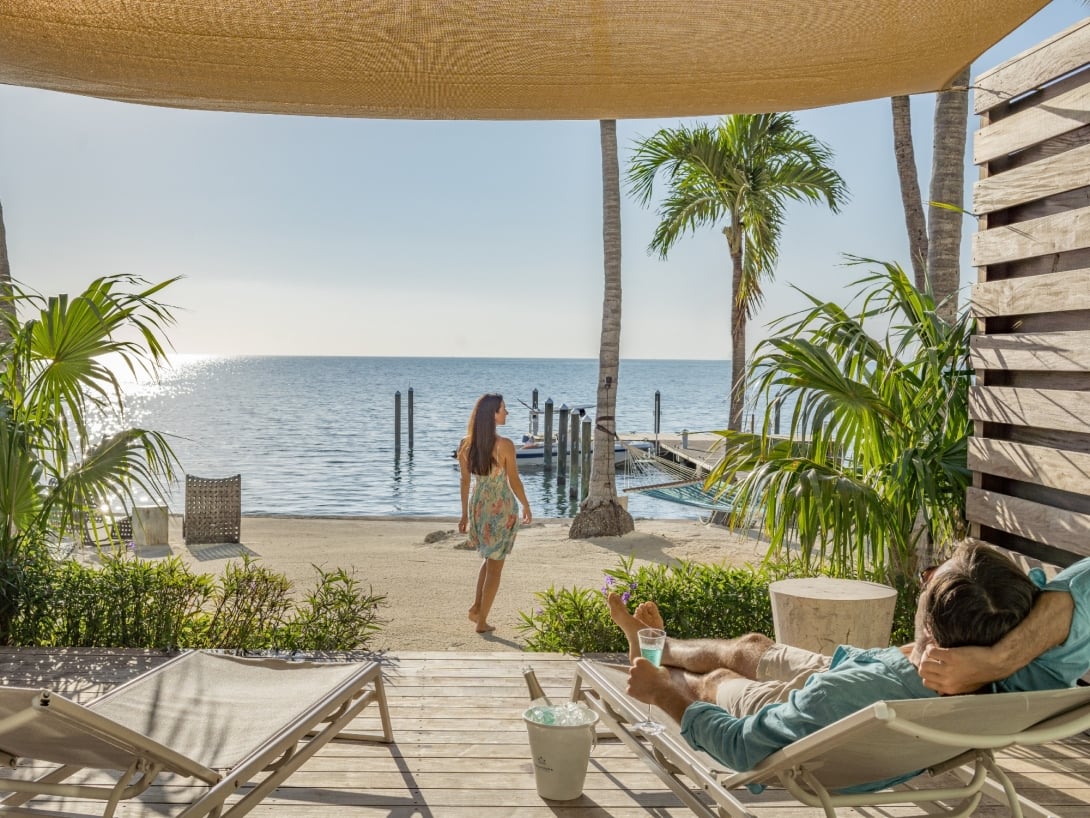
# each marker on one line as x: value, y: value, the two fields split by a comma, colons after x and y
x: 481, y: 434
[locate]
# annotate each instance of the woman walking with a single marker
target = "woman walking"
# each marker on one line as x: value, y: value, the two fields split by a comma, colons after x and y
x: 491, y: 518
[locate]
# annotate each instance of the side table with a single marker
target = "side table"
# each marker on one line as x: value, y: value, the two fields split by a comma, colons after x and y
x: 819, y: 613
x: 150, y: 525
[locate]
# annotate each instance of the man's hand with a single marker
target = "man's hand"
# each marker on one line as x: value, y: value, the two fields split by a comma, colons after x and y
x: 653, y: 685
x: 953, y: 671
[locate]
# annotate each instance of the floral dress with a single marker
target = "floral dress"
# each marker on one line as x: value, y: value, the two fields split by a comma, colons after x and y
x: 493, y: 516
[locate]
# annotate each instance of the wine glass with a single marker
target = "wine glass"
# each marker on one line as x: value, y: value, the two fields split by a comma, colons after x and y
x: 651, y: 644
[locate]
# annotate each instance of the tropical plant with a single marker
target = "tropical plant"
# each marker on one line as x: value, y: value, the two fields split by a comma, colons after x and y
x: 744, y: 171
x: 600, y: 515
x: 55, y: 389
x: 873, y: 469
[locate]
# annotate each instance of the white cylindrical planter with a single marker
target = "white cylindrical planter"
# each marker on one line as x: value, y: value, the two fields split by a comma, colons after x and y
x: 150, y: 525
x: 819, y: 613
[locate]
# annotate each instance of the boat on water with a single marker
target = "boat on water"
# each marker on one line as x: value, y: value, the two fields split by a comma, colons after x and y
x: 530, y: 451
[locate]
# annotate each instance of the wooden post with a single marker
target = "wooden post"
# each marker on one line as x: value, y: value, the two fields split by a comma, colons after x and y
x: 410, y: 415
x: 562, y: 445
x: 573, y: 487
x: 658, y: 411
x: 533, y: 414
x: 548, y: 434
x: 586, y: 446
x: 397, y: 423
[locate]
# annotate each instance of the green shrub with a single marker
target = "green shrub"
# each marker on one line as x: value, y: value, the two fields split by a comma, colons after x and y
x: 129, y: 602
x: 696, y: 601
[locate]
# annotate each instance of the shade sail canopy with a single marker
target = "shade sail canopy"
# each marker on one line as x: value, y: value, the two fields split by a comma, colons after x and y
x: 497, y: 59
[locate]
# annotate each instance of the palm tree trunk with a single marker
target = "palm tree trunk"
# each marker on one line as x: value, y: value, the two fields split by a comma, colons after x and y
x: 6, y: 302
x: 948, y: 187
x: 737, y: 328
x: 905, y: 154
x: 600, y: 514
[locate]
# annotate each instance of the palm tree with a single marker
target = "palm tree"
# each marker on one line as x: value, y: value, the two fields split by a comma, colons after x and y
x: 54, y: 390
x: 6, y: 302
x: 935, y: 247
x: 873, y: 468
x: 744, y: 171
x: 601, y: 515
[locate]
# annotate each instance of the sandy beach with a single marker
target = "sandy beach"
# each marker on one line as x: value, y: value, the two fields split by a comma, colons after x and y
x: 428, y: 576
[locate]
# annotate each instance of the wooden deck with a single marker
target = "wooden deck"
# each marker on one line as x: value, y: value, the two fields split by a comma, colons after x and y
x: 461, y: 748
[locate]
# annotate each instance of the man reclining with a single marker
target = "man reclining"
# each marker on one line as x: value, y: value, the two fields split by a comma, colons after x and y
x: 742, y: 699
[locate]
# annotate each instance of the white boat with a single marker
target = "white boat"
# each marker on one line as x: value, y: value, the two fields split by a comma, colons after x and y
x: 531, y: 452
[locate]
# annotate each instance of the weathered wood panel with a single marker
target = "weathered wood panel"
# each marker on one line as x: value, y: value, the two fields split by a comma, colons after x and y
x: 1052, y: 351
x: 1067, y: 471
x: 1042, y: 523
x: 1047, y: 408
x: 1056, y: 174
x: 1034, y: 237
x: 1047, y: 292
x: 1065, y: 112
x: 1056, y: 56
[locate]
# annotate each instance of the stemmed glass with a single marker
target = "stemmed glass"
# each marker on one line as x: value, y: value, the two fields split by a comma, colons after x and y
x: 652, y: 641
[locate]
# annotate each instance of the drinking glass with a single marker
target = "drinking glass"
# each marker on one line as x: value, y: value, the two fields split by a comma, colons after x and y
x: 651, y: 644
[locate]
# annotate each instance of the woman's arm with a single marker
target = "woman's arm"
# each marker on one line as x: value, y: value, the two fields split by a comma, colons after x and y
x: 463, y: 464
x: 510, y: 468
x: 951, y: 671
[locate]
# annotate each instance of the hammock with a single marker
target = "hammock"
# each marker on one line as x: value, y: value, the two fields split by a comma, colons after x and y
x: 688, y: 493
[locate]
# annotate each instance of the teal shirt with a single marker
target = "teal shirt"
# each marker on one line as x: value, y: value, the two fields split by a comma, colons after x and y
x: 1065, y: 664
x: 855, y: 679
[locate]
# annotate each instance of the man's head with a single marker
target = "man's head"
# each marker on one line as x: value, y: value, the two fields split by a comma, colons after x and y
x: 974, y: 598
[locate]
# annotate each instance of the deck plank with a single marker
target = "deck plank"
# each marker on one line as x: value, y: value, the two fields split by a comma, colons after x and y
x: 461, y: 749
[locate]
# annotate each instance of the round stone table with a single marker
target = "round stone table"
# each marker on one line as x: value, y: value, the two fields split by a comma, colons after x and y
x: 819, y: 613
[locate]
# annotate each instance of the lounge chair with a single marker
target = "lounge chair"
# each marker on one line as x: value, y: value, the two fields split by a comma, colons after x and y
x: 222, y: 720
x: 877, y: 743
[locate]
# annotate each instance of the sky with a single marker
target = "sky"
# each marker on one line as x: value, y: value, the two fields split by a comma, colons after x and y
x: 330, y: 236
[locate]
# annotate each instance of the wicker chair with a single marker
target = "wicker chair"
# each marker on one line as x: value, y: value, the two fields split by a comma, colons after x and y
x: 213, y: 509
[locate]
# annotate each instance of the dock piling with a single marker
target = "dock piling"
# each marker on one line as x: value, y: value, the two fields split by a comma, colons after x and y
x: 410, y: 418
x: 573, y: 488
x: 585, y: 454
x: 562, y: 445
x: 548, y: 433
x: 533, y: 414
x: 397, y: 423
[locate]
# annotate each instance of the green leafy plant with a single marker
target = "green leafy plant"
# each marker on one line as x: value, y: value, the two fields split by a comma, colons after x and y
x: 128, y: 602
x: 54, y: 389
x: 696, y: 601
x: 872, y: 471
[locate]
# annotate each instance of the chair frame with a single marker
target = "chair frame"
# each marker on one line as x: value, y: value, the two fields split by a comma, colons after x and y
x: 798, y: 767
x: 268, y: 765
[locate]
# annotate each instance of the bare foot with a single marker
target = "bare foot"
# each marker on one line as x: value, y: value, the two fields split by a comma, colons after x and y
x: 648, y: 614
x: 473, y: 613
x: 486, y: 628
x: 627, y: 623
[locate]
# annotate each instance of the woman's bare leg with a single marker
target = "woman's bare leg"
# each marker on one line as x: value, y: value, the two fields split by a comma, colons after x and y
x: 488, y: 583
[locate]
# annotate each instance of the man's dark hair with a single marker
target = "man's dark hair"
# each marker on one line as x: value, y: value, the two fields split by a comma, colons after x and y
x: 978, y: 597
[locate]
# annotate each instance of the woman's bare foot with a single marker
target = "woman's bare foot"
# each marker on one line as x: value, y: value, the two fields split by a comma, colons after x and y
x: 485, y: 628
x: 473, y: 613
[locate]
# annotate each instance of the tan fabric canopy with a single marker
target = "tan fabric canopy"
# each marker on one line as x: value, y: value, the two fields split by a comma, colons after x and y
x: 497, y: 59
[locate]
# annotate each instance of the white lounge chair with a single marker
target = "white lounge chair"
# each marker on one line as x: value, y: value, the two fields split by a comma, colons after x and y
x: 223, y: 720
x: 877, y: 743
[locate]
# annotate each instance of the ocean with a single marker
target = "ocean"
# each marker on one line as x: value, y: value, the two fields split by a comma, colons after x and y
x: 314, y: 436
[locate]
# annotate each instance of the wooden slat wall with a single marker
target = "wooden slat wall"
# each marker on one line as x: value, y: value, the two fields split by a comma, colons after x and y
x: 1030, y: 454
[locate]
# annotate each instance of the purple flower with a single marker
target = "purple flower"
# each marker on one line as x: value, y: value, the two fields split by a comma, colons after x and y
x: 625, y: 597
x: 609, y: 580
x: 632, y: 585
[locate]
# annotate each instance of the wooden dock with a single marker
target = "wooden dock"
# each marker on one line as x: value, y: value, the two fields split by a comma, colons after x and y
x: 699, y: 451
x: 461, y: 749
